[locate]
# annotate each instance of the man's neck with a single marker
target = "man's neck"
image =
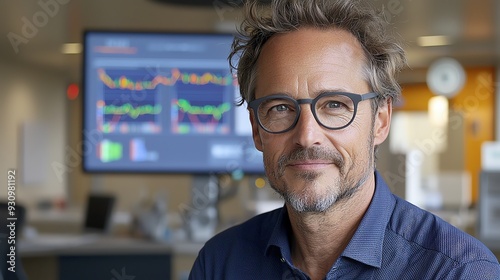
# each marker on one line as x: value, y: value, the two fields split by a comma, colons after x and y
x: 320, y: 238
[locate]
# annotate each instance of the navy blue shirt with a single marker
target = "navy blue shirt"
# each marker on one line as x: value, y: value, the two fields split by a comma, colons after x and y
x: 395, y: 240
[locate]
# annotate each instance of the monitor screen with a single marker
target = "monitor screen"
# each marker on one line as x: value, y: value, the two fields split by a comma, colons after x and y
x: 163, y: 102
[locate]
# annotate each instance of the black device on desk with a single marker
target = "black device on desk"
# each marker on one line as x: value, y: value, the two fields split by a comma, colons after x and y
x: 98, y: 213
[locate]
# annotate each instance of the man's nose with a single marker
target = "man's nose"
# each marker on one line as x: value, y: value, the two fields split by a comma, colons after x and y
x: 308, y: 131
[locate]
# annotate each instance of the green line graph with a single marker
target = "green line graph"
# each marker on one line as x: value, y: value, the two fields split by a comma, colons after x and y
x: 133, y: 112
x: 216, y: 111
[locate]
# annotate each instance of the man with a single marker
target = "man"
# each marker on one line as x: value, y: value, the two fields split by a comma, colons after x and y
x: 319, y: 80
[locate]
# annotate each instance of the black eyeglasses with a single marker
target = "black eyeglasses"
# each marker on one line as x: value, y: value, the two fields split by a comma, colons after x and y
x: 280, y: 113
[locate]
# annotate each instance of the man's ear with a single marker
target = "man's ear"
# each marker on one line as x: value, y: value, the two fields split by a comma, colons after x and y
x: 255, y: 132
x: 382, y: 124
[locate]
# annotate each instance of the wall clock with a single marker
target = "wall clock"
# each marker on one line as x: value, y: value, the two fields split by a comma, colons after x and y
x: 446, y: 77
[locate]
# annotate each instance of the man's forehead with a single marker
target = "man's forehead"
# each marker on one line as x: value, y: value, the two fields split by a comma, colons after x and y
x: 310, y: 44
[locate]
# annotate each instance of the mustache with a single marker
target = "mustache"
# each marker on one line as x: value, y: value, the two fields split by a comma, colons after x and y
x: 311, y: 153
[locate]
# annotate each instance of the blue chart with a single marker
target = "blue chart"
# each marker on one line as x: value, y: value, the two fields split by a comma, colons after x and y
x: 130, y: 102
x: 138, y: 151
x: 201, y: 108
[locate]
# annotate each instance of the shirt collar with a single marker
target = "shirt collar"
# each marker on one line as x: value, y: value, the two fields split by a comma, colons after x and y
x: 366, y: 244
x: 279, y: 236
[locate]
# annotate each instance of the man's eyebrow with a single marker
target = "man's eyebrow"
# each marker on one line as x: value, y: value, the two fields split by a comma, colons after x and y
x: 337, y: 89
x: 330, y: 90
x: 314, y: 94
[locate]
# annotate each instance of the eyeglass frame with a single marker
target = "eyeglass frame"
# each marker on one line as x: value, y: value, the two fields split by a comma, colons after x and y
x: 356, y: 98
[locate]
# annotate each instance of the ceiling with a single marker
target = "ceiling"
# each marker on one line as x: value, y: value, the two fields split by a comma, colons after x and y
x: 33, y: 33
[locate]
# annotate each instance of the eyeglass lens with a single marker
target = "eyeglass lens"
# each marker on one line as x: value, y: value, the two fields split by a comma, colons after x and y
x: 280, y: 114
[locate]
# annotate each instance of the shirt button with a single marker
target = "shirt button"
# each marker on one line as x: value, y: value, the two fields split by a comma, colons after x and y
x: 282, y: 259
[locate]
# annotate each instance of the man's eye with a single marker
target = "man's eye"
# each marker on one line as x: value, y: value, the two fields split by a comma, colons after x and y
x: 334, y: 105
x: 280, y: 108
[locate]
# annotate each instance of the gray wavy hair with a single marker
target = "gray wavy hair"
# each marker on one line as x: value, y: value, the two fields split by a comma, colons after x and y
x: 384, y: 56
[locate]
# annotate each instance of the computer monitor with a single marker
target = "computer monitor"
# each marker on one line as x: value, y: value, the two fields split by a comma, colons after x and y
x: 163, y: 103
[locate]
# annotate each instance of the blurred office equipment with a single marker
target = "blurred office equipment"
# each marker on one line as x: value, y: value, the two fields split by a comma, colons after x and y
x: 201, y: 216
x: 98, y: 213
x: 489, y: 195
x: 489, y: 209
x: 149, y: 218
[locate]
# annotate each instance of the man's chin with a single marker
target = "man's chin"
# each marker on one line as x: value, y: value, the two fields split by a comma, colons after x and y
x: 305, y: 206
x: 310, y: 198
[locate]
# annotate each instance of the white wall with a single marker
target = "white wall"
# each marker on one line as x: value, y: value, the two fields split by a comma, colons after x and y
x: 29, y: 95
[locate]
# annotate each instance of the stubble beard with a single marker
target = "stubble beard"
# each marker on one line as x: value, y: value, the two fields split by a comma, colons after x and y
x: 308, y: 200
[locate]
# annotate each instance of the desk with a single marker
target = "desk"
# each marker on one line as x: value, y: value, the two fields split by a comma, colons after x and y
x: 103, y: 257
